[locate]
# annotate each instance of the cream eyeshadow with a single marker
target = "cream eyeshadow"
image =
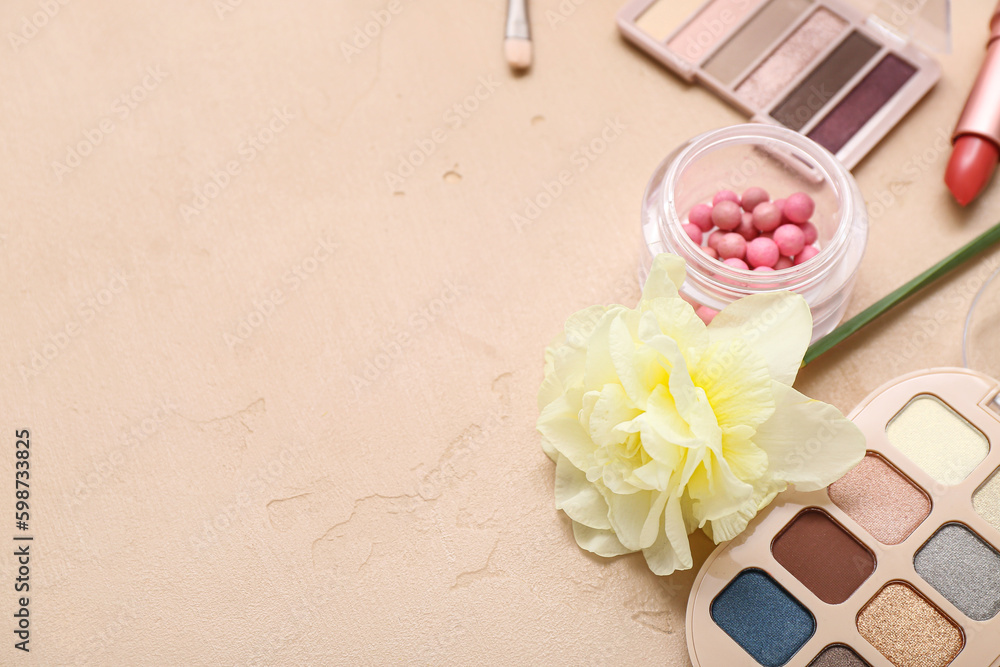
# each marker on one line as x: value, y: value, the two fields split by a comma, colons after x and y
x: 936, y: 438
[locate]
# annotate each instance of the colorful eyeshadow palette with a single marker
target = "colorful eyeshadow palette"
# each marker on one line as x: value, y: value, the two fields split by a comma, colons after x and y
x: 819, y: 67
x: 897, y: 564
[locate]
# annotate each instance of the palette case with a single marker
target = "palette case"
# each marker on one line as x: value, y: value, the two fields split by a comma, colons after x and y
x: 895, y: 565
x: 841, y: 75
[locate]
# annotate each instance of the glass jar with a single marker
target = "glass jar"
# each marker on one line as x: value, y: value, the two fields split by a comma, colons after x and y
x: 782, y: 162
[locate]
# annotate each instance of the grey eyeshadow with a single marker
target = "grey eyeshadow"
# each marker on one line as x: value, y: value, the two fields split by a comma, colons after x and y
x: 964, y: 569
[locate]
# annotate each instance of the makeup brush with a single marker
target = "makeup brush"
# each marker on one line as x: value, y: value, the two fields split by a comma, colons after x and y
x: 517, y: 45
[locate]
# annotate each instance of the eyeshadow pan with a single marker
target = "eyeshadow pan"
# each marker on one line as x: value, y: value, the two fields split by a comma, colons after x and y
x: 937, y: 439
x: 881, y: 500
x: 762, y: 617
x: 962, y: 568
x: 791, y: 58
x: 700, y: 35
x: 753, y: 38
x: 986, y: 500
x: 827, y: 559
x: 907, y: 630
x: 838, y: 655
x: 823, y: 84
x: 855, y: 110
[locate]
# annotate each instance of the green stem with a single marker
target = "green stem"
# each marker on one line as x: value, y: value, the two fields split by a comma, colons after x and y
x: 957, y: 258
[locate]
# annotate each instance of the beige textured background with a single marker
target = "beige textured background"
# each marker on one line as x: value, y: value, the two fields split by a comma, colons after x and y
x: 247, y: 449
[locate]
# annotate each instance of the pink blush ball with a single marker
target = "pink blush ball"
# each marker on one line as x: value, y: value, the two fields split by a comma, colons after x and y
x: 766, y: 217
x: 763, y: 269
x: 799, y: 207
x: 725, y: 195
x: 706, y: 314
x: 693, y: 232
x: 714, y: 238
x: 732, y: 245
x: 752, y: 197
x: 810, y: 232
x: 711, y: 252
x: 783, y: 263
x: 727, y: 215
x: 762, y: 252
x: 737, y: 263
x: 790, y: 239
x: 746, y: 228
x: 701, y: 215
x: 805, y: 255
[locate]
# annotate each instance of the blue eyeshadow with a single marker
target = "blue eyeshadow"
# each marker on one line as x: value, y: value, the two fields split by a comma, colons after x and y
x: 763, y: 618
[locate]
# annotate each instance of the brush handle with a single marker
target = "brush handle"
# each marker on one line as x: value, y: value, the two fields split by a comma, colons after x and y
x: 517, y: 20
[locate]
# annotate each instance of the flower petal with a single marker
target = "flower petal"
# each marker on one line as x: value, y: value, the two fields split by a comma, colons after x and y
x: 579, y: 498
x: 777, y: 325
x: 581, y: 324
x: 562, y: 432
x: 727, y: 527
x: 671, y: 551
x: 601, y: 542
x: 665, y: 277
x: 628, y: 514
x: 715, y: 490
x: 737, y: 383
x: 809, y: 443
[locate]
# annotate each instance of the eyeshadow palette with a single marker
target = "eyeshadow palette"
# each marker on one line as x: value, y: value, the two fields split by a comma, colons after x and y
x: 897, y: 564
x: 820, y: 67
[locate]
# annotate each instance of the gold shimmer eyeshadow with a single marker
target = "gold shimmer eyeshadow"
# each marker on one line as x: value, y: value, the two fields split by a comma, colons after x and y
x: 907, y: 630
x: 791, y: 58
x: 936, y: 438
x: 754, y: 38
x: 883, y: 502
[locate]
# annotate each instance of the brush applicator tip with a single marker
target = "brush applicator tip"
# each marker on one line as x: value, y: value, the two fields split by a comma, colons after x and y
x: 518, y: 53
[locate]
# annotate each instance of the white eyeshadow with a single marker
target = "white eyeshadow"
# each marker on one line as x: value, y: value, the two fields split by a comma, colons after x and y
x: 936, y: 438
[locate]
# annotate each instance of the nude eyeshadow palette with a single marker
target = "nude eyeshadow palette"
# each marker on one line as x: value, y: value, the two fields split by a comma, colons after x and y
x: 897, y: 564
x: 824, y: 68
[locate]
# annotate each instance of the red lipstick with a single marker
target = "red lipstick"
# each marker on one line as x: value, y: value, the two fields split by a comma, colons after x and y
x: 977, y: 135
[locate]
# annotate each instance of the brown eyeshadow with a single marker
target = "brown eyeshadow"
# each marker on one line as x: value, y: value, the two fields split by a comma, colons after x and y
x: 809, y: 98
x: 827, y: 559
x: 855, y: 110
